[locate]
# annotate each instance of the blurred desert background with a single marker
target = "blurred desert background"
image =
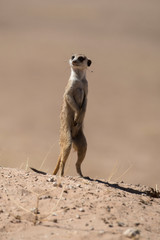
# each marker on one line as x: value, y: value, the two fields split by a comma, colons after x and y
x: 122, y: 124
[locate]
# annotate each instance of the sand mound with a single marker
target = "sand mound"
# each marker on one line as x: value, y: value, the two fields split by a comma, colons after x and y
x: 34, y: 206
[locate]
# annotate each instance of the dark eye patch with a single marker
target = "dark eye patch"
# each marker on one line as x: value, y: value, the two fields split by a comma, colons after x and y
x: 72, y: 57
x: 81, y: 59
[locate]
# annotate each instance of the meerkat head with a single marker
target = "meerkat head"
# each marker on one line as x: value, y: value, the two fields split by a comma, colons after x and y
x: 79, y: 61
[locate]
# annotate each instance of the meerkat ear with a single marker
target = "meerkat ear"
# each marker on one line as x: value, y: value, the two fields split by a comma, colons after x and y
x: 89, y: 62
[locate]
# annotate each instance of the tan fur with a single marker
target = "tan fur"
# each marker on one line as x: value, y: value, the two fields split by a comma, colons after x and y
x: 72, y: 114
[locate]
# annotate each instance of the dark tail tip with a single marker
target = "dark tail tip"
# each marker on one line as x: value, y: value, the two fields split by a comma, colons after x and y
x: 38, y: 171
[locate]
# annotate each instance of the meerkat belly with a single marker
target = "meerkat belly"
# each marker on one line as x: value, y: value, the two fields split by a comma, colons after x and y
x: 79, y: 96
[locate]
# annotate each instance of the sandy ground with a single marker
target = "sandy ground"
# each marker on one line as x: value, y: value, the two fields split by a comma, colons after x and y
x: 122, y: 38
x: 77, y: 209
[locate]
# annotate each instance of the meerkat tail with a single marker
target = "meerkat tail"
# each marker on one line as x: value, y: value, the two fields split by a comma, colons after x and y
x: 57, y: 166
x: 38, y: 171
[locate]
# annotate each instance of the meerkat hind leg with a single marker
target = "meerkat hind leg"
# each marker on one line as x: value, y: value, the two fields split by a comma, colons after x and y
x: 65, y: 153
x: 80, y: 145
x: 65, y: 147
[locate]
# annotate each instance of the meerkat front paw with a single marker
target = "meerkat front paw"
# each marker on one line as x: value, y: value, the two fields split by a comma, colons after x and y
x: 76, y: 117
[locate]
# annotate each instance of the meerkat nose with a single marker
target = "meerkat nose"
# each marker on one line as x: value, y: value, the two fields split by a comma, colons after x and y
x: 74, y: 62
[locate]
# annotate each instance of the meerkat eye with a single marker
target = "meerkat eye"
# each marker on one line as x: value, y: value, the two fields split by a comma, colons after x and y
x: 81, y: 59
x: 72, y: 57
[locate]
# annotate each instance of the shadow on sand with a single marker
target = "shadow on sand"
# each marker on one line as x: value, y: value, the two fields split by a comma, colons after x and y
x: 125, y: 189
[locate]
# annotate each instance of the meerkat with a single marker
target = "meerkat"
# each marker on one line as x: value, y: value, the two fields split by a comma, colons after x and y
x: 72, y: 114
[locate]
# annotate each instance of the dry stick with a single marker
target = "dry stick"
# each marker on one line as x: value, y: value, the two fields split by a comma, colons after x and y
x: 37, y: 205
x: 36, y: 211
x: 21, y: 166
x: 25, y: 209
x: 27, y: 164
x: 54, y: 209
x: 114, y: 170
x: 45, y: 158
x: 35, y: 214
x: 124, y: 172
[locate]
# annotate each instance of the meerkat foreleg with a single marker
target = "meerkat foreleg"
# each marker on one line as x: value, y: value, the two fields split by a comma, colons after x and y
x: 78, y: 119
x: 72, y: 103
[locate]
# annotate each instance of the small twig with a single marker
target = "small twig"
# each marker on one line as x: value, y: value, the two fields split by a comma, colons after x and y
x: 55, y: 207
x: 36, y: 211
x: 114, y: 170
x: 124, y: 172
x: 46, y: 156
x: 27, y: 164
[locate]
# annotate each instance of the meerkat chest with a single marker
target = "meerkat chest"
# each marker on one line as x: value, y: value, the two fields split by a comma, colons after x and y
x: 79, y: 96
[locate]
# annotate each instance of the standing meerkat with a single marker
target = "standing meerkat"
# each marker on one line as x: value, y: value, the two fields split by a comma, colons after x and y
x: 72, y: 114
